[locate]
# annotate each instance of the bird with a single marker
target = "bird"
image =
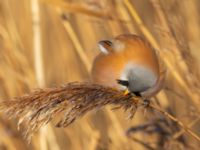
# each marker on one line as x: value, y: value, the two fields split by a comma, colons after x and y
x: 129, y: 63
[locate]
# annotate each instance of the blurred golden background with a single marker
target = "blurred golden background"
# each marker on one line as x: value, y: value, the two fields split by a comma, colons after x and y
x: 44, y: 43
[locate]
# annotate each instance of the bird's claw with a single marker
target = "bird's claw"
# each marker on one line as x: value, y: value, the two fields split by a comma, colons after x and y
x: 126, y: 92
x: 146, y: 103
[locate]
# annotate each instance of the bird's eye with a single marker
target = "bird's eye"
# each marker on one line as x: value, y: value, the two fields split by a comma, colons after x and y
x: 123, y: 82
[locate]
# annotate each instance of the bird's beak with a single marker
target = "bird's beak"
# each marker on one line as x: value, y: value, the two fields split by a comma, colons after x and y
x: 126, y: 92
x: 124, y: 83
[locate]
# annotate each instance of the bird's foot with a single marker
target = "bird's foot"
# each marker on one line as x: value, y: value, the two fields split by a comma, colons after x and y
x: 126, y: 92
x: 146, y: 103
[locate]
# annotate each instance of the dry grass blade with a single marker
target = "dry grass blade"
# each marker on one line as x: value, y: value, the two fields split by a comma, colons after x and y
x: 82, y: 9
x: 178, y: 134
x: 73, y: 100
x: 76, y: 43
x: 184, y: 127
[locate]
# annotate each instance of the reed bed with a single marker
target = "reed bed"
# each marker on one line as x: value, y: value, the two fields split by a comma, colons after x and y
x: 47, y: 43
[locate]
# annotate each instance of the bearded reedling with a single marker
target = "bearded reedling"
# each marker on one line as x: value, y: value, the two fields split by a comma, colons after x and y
x: 128, y: 62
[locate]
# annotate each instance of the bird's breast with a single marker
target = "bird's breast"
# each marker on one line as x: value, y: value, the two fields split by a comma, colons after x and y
x: 140, y: 77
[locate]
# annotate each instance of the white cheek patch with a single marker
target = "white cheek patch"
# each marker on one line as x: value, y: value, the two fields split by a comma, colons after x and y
x: 103, y: 49
x: 123, y: 77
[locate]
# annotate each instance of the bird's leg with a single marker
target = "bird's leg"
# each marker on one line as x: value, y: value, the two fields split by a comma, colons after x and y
x: 146, y: 102
x: 126, y: 92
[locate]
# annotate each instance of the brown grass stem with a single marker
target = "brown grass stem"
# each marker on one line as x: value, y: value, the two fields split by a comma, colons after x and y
x: 47, y: 135
x: 37, y: 43
x: 77, y: 44
x: 178, y: 134
x: 181, y: 124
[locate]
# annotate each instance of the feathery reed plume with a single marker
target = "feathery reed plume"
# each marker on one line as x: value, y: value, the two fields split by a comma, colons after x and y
x: 73, y: 100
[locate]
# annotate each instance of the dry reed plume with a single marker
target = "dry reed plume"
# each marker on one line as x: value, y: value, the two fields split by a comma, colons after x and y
x: 73, y: 100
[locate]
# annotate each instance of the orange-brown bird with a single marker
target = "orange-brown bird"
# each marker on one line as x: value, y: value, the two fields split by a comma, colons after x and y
x: 128, y: 62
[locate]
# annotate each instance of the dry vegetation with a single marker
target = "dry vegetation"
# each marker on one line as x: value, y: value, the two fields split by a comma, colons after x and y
x: 44, y: 43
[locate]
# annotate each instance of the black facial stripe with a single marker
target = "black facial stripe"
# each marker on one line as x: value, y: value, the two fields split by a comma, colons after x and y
x: 108, y: 42
x: 123, y: 82
x: 137, y: 94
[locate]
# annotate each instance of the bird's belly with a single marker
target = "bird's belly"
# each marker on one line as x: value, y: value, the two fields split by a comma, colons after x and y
x: 140, y: 78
